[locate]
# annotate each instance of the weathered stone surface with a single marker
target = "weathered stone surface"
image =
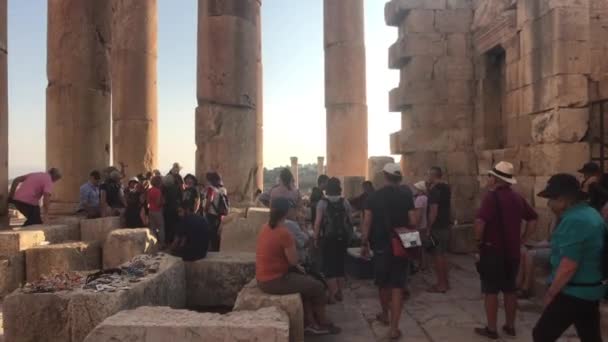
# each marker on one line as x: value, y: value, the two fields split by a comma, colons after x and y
x: 347, y: 122
x: 149, y: 324
x: 57, y: 233
x: 98, y: 229
x: 122, y: 245
x: 567, y: 125
x: 217, y: 280
x: 134, y: 83
x: 69, y: 316
x: 252, y: 298
x: 375, y: 166
x: 241, y: 233
x: 548, y: 159
x: 418, y: 21
x: 454, y: 20
x: 12, y: 273
x: 555, y: 91
x: 352, y: 186
x: 64, y: 257
x: 416, y: 44
x: 78, y: 98
x: 14, y: 241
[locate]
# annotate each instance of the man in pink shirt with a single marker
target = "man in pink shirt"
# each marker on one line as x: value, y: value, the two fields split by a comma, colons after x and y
x: 26, y: 192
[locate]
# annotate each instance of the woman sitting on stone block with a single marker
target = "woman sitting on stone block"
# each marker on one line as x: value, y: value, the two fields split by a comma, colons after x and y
x: 278, y: 271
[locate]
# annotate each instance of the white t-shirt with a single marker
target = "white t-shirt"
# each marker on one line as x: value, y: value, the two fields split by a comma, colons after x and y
x: 421, y: 202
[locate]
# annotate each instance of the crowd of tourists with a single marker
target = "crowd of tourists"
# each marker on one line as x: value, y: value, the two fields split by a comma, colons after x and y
x: 184, y: 214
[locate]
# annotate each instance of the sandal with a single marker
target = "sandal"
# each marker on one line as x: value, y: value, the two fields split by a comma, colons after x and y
x: 485, y: 332
x: 435, y: 289
x: 382, y: 318
x: 396, y: 336
x: 509, y: 331
x: 315, y: 331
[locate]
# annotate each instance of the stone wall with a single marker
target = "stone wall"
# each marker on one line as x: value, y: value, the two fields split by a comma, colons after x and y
x: 485, y: 81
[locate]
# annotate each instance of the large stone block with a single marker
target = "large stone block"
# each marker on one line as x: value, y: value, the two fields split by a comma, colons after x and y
x: 568, y: 125
x: 454, y: 68
x: 14, y: 241
x: 12, y: 273
x: 57, y: 233
x: 123, y: 244
x: 417, y: 68
x: 454, y: 20
x: 418, y: 21
x: 241, y: 233
x: 460, y: 163
x: 252, y: 298
x: 216, y: 280
x: 553, y: 92
x: 459, y: 45
x: 548, y: 159
x: 71, y: 256
x: 530, y: 10
x: 69, y: 316
x: 416, y: 44
x: 98, y: 229
x: 430, y: 92
x: 150, y: 324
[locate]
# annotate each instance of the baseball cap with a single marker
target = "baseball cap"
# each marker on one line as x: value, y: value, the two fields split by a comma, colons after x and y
x: 392, y: 169
x: 590, y: 167
x: 561, y: 185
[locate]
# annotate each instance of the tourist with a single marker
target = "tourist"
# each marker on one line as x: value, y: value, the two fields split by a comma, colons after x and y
x: 216, y: 207
x: 576, y: 265
x: 333, y: 230
x: 191, y: 240
x: 191, y: 195
x: 275, y: 255
x: 387, y: 209
x: 498, y: 230
x: 317, y: 194
x: 358, y: 203
x: 439, y: 203
x: 112, y: 197
x: 155, y: 209
x: 594, y: 185
x: 89, y: 196
x: 421, y: 204
x: 172, y: 193
x: 27, y: 191
x: 287, y: 189
x: 134, y: 212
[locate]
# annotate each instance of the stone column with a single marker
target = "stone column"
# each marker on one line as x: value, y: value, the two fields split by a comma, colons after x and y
x: 295, y: 171
x: 228, y: 116
x: 134, y: 85
x: 345, y: 89
x: 3, y: 116
x: 320, y: 166
x: 78, y: 93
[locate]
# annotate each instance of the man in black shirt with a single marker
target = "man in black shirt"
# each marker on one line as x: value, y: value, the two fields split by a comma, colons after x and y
x: 386, y: 209
x: 440, y: 197
x: 191, y: 235
x: 595, y: 185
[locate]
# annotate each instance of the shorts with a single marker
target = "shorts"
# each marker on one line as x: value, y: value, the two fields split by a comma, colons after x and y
x: 334, y: 258
x: 497, y: 274
x: 442, y: 238
x: 390, y: 272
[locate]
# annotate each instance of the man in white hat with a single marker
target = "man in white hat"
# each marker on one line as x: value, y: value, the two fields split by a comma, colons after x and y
x: 498, y: 231
x: 387, y: 209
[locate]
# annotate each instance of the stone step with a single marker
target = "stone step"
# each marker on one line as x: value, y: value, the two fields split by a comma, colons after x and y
x: 12, y: 273
x: 64, y: 257
x: 165, y: 324
x: 123, y: 244
x: 98, y: 229
x: 241, y: 233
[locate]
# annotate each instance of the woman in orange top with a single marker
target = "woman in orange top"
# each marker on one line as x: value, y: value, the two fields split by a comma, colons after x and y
x: 275, y: 255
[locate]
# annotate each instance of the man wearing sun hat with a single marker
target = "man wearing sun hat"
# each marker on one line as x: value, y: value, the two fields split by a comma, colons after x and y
x: 498, y: 230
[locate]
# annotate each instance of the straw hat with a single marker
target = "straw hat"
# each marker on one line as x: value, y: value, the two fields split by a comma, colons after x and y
x: 504, y: 171
x: 421, y: 186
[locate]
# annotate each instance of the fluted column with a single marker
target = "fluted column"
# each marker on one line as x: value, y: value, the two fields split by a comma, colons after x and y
x: 228, y: 117
x: 134, y: 85
x: 345, y: 88
x: 78, y: 93
x: 3, y: 116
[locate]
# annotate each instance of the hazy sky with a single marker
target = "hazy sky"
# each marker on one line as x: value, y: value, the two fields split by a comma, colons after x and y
x: 294, y: 113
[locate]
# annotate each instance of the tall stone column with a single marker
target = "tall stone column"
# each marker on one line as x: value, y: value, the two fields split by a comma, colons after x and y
x: 3, y: 116
x: 228, y: 116
x: 295, y: 170
x: 134, y: 85
x: 320, y: 166
x: 78, y: 94
x: 345, y: 88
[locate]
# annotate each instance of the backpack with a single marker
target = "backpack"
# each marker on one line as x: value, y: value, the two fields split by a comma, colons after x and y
x: 223, y: 204
x: 336, y: 223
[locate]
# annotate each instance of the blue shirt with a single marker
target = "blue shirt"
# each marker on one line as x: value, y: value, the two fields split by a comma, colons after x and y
x: 89, y: 196
x: 580, y: 238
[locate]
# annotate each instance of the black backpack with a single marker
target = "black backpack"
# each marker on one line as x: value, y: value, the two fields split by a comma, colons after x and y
x: 223, y: 206
x: 336, y: 223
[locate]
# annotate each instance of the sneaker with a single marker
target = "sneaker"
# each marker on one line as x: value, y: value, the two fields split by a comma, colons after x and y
x: 315, y: 331
x: 485, y: 332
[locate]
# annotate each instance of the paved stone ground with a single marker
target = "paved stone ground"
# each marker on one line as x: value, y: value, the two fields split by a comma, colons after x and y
x: 428, y: 317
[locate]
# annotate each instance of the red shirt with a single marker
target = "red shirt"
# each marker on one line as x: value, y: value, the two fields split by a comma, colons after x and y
x: 270, y: 260
x: 505, y: 237
x: 154, y: 197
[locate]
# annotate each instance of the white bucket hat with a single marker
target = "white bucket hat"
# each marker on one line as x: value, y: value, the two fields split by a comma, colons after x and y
x: 504, y: 171
x: 392, y: 169
x: 421, y: 186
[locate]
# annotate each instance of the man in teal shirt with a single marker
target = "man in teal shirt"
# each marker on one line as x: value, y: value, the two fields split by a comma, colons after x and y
x: 576, y: 256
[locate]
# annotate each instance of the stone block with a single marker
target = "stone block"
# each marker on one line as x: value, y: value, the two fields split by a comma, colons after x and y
x: 512, y: 76
x: 12, y: 273
x: 57, y: 233
x: 430, y: 92
x: 549, y: 159
x: 418, y: 163
x: 454, y: 68
x: 216, y: 280
x: 530, y: 10
x: 462, y: 239
x: 375, y: 165
x: 69, y: 316
x: 352, y: 186
x: 418, y: 21
x: 149, y: 324
x: 252, y: 298
x: 454, y: 21
x: 513, y: 103
x: 241, y: 234
x: 416, y: 44
x: 14, y: 241
x: 345, y: 64
x: 568, y: 125
x: 459, y: 45
x: 64, y: 257
x: 555, y: 91
x: 460, y: 92
x: 460, y: 163
x: 98, y: 229
x: 123, y: 245
x: 526, y: 185
x: 459, y: 4
x: 421, y: 4
x: 417, y: 69
x: 539, y: 185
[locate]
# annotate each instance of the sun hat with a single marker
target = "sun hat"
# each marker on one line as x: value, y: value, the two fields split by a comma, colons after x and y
x: 134, y: 179
x: 561, y: 184
x: 503, y: 171
x: 392, y: 169
x: 421, y: 186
